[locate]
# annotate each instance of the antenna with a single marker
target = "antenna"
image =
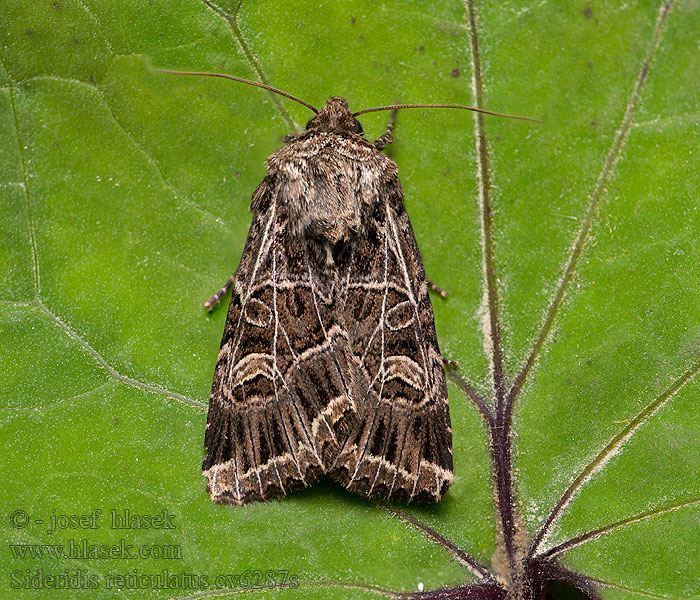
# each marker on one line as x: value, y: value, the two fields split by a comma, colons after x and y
x: 478, y: 110
x: 269, y: 88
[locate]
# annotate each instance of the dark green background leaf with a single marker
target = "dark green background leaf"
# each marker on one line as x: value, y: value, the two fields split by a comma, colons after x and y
x: 124, y: 201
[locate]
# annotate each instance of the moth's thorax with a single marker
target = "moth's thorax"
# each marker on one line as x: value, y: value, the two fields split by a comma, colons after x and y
x: 327, y: 177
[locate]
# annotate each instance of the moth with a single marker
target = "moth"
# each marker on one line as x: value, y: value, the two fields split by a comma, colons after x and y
x: 329, y: 361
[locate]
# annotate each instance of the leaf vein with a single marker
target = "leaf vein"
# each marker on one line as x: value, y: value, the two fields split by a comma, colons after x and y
x: 348, y: 585
x: 237, y: 34
x: 596, y: 533
x: 574, y: 256
x: 25, y: 183
x: 146, y: 387
x: 465, y: 559
x: 612, y: 448
x: 141, y: 149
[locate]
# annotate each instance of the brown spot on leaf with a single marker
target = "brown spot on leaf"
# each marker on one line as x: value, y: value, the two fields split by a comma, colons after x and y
x: 455, y: 72
x: 588, y: 12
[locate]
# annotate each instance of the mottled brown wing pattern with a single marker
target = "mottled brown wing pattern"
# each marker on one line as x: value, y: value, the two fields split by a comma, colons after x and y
x: 281, y: 403
x: 329, y: 361
x: 402, y: 445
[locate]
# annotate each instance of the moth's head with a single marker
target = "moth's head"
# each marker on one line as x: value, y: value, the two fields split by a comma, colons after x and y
x: 335, y: 116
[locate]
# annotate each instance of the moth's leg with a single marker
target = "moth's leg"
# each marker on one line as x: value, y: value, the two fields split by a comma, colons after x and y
x: 214, y: 300
x: 436, y: 289
x: 386, y: 137
x: 447, y: 362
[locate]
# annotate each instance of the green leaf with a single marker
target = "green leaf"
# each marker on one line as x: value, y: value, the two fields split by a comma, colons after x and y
x: 124, y: 198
